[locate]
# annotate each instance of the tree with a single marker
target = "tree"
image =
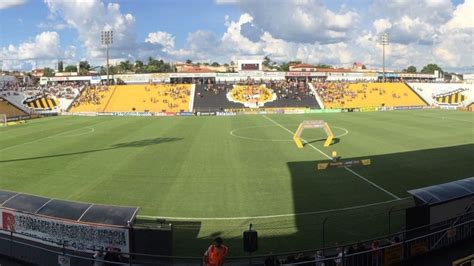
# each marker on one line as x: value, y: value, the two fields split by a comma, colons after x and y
x: 323, y: 66
x: 266, y: 61
x: 410, y: 69
x: 430, y: 69
x: 84, y: 68
x: 71, y: 68
x: 139, y: 67
x: 48, y: 72
x: 189, y: 61
x: 294, y: 62
x: 125, y: 66
x: 60, y: 66
x: 284, y: 67
x: 215, y: 64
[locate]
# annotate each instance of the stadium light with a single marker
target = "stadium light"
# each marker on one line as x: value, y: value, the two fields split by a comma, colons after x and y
x: 107, y: 38
x: 384, y: 40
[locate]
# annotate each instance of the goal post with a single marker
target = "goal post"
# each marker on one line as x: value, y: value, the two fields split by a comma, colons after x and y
x: 313, y: 124
x: 3, y: 120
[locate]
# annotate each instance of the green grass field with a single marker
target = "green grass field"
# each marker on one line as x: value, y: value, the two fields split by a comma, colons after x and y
x: 215, y: 175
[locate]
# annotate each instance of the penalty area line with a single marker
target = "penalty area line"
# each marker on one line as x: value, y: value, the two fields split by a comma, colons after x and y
x: 330, y: 158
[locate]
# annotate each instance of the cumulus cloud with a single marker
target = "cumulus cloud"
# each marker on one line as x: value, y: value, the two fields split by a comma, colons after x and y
x: 165, y: 39
x: 4, y: 4
x: 455, y: 47
x: 305, y: 21
x: 45, y: 47
x: 89, y: 18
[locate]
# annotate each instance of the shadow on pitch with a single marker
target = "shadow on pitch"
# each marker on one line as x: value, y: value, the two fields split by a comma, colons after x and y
x: 334, y: 141
x: 132, y: 144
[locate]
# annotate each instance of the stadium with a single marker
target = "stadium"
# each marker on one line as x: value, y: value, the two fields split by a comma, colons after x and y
x: 310, y: 165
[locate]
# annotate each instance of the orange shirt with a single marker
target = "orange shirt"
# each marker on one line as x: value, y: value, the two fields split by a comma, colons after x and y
x: 215, y: 255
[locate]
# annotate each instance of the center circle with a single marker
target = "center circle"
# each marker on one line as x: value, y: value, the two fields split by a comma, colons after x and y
x: 235, y: 133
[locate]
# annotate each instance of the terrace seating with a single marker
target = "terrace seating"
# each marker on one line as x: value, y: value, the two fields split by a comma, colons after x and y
x: 153, y: 98
x: 41, y: 97
x: 46, y: 102
x: 134, y: 98
x: 292, y: 94
x: 92, y: 99
x: 213, y: 98
x: 252, y: 94
x: 354, y: 95
x: 10, y: 110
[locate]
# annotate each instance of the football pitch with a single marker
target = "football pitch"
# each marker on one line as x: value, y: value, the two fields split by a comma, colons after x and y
x: 213, y: 176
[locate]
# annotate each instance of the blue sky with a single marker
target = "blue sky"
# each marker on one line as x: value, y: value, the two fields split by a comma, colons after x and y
x: 336, y: 32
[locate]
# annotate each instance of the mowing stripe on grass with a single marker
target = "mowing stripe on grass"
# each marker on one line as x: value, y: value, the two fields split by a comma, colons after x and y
x: 270, y: 216
x: 330, y: 158
x: 55, y: 135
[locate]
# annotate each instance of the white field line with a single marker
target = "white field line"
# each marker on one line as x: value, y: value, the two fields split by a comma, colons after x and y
x: 444, y: 117
x: 58, y: 134
x: 269, y: 216
x: 232, y: 133
x: 330, y: 158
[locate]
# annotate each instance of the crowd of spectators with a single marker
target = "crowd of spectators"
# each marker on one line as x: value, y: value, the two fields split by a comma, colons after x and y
x: 290, y: 89
x: 92, y: 95
x: 211, y: 89
x: 172, y: 95
x: 339, y: 92
x: 66, y: 90
x: 358, y: 254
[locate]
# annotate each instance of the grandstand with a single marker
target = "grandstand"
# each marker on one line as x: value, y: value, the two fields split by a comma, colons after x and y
x: 292, y: 94
x: 213, y: 98
x: 135, y: 98
x: 355, y: 95
x: 250, y: 95
x: 445, y: 94
x: 42, y: 103
x: 10, y: 110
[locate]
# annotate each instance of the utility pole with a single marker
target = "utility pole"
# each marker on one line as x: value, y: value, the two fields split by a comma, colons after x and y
x: 107, y: 38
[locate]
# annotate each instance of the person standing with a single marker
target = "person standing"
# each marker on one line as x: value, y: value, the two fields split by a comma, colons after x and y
x: 215, y: 254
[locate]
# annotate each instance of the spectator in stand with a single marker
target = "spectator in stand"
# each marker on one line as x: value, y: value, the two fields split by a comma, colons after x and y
x: 319, y: 258
x: 216, y: 253
x: 271, y: 261
x: 98, y: 258
x: 376, y: 253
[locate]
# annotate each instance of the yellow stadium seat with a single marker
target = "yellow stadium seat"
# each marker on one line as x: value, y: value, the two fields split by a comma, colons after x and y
x: 139, y: 98
x: 373, y: 95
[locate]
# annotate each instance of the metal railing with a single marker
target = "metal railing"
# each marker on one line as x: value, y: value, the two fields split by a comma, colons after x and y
x: 379, y: 251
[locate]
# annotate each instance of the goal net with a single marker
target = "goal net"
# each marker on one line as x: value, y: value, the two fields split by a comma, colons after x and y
x: 3, y: 120
x: 313, y: 124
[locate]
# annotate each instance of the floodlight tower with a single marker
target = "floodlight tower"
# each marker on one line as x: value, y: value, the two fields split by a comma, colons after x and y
x: 384, y: 41
x: 107, y: 38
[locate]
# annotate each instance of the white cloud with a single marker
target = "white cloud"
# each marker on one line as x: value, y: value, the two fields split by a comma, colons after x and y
x: 305, y: 21
x: 462, y: 16
x: 45, y: 47
x: 4, y: 4
x: 89, y: 18
x: 456, y: 47
x: 53, y: 26
x: 165, y: 39
x: 381, y: 25
x: 422, y: 32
